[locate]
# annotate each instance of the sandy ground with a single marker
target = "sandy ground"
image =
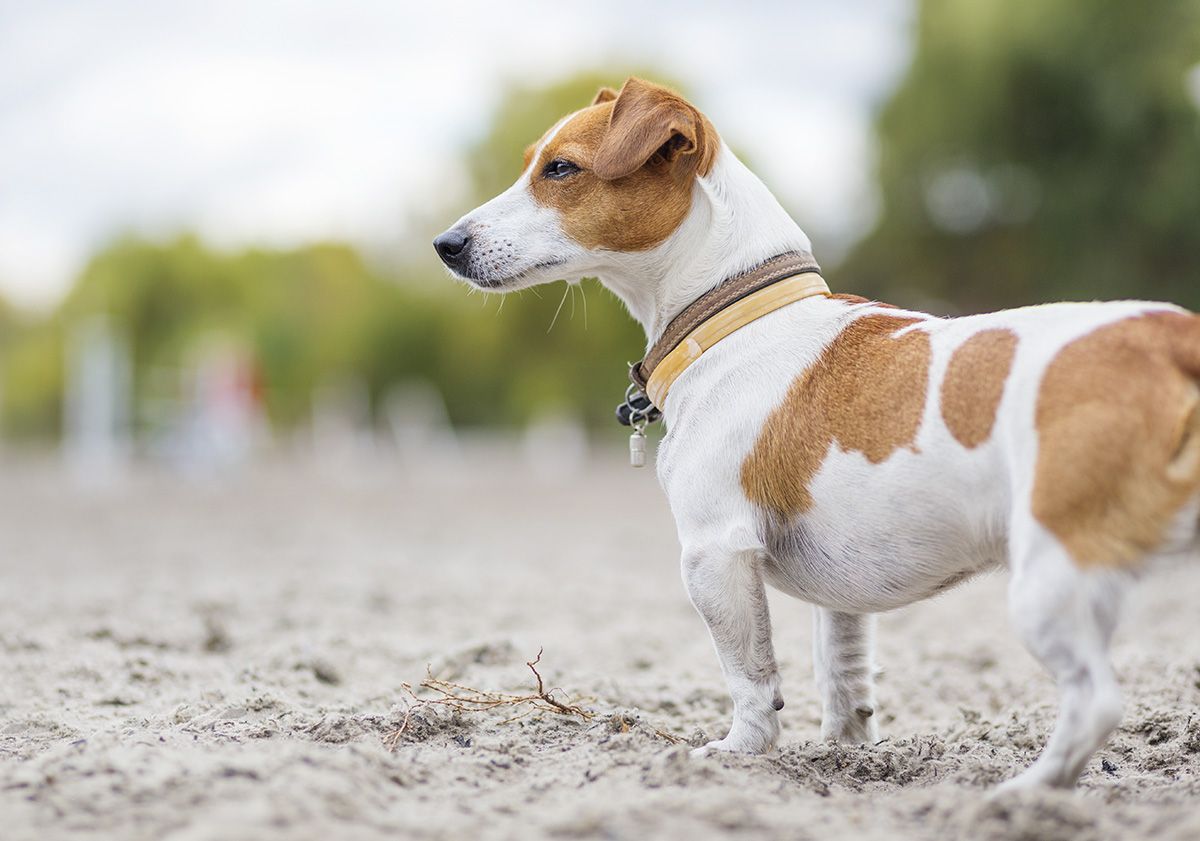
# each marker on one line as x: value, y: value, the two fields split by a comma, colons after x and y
x: 226, y: 660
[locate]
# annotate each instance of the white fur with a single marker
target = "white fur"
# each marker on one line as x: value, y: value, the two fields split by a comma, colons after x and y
x: 878, y: 536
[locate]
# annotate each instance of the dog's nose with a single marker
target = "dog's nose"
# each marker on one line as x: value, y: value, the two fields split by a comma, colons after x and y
x: 451, y: 246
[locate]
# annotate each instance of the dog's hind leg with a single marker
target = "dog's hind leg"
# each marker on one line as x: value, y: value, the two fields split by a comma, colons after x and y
x: 845, y: 672
x: 1066, y: 617
x: 726, y: 587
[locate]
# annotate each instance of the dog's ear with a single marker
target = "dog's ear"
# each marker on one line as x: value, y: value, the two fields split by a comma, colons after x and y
x: 605, y: 94
x: 647, y: 121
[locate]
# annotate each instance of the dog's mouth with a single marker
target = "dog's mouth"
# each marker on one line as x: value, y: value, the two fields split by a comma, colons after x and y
x: 499, y: 284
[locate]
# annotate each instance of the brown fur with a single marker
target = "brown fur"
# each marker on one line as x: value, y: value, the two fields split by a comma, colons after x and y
x: 640, y: 152
x: 1118, y: 421
x: 649, y: 120
x: 849, y: 298
x: 974, y: 384
x: 605, y: 94
x: 866, y: 393
x: 859, y: 299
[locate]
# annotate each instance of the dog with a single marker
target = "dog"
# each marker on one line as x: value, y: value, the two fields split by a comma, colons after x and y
x: 854, y: 455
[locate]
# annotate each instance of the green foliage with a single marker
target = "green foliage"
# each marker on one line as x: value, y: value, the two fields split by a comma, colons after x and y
x: 298, y: 310
x: 32, y: 380
x: 1040, y: 151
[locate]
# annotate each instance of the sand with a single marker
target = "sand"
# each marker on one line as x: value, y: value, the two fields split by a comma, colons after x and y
x: 226, y: 659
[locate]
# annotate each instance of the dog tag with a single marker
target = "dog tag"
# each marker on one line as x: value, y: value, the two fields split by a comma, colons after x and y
x: 637, y: 448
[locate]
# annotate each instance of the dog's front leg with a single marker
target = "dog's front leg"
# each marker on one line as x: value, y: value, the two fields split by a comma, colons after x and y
x: 726, y: 588
x: 845, y: 672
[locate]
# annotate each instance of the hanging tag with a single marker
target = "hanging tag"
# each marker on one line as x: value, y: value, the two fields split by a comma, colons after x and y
x: 637, y: 449
x: 637, y: 446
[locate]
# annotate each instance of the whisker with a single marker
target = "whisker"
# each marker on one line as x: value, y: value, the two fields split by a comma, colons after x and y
x: 560, y: 306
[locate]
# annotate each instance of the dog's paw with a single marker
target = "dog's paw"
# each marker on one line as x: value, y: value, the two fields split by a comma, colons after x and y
x: 1032, y: 778
x: 755, y: 727
x: 715, y: 746
x: 857, y: 727
x: 732, y: 744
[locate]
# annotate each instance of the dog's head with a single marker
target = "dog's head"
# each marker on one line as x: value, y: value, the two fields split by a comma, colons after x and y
x: 615, y: 177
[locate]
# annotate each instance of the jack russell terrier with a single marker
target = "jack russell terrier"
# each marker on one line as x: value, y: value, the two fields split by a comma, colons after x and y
x: 854, y: 455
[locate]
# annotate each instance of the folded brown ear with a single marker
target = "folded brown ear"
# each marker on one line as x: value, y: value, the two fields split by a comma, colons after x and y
x: 648, y: 119
x: 605, y: 94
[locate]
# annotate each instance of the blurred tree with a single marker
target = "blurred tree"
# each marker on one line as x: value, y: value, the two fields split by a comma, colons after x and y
x: 1040, y: 151
x: 29, y: 375
x: 300, y: 311
x: 8, y: 332
x: 31, y: 372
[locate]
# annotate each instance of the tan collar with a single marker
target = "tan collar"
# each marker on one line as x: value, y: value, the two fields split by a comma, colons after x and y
x: 731, y: 306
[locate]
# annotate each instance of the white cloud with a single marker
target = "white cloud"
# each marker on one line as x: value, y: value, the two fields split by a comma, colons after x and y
x: 285, y: 121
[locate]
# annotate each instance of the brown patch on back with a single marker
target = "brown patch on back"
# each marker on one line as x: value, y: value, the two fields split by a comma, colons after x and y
x: 639, y: 155
x: 859, y: 299
x: 866, y: 393
x: 1118, y: 422
x: 849, y: 298
x: 974, y: 384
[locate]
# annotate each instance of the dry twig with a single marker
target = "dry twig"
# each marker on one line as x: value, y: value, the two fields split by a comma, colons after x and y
x: 465, y: 699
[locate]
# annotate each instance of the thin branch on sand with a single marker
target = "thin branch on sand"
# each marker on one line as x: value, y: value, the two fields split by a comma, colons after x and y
x: 465, y: 699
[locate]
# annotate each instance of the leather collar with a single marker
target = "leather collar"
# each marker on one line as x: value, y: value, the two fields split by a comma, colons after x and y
x: 707, y: 307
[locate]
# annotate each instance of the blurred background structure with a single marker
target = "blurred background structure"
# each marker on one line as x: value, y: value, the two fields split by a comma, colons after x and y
x: 215, y: 217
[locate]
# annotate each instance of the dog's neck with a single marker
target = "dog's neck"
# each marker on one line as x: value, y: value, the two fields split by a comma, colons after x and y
x: 734, y: 224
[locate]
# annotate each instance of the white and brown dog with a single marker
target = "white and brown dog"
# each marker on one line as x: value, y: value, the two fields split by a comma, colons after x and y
x: 857, y: 456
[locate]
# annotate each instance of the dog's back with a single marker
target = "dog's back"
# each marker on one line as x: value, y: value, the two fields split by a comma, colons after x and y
x: 1084, y: 416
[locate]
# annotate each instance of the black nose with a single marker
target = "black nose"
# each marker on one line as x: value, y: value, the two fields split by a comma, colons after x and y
x: 451, y: 246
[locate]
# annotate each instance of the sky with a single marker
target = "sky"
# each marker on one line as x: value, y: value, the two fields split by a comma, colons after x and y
x: 262, y: 122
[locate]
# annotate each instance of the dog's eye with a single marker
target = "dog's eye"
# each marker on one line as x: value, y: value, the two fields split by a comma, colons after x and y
x: 558, y: 168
